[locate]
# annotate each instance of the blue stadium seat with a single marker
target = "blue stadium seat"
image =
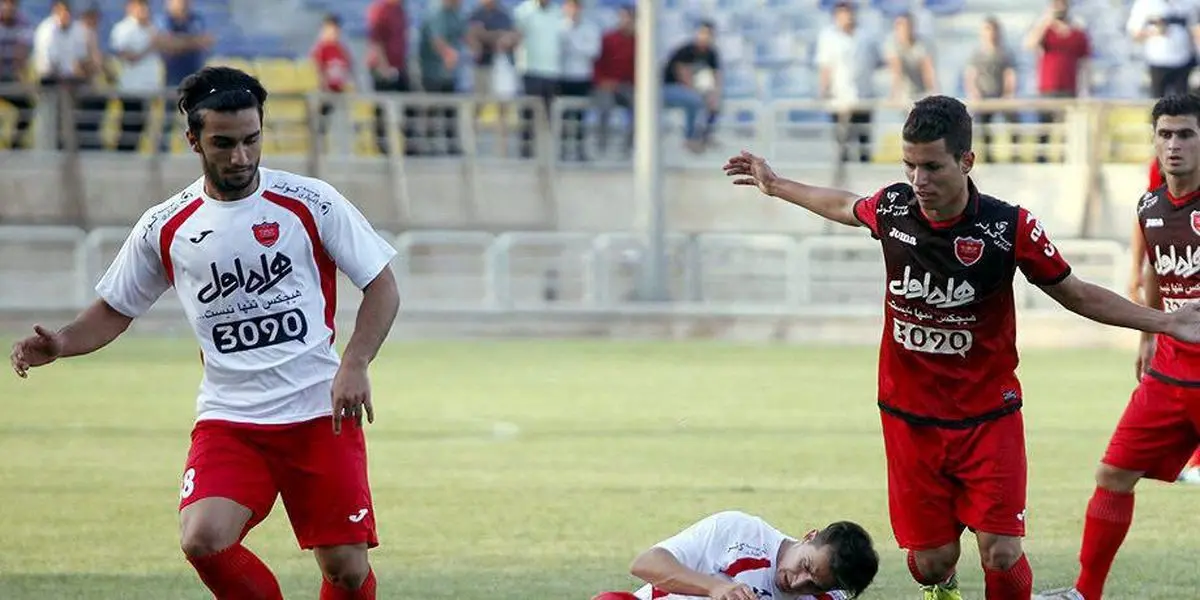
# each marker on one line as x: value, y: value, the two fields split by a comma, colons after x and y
x: 891, y: 8
x: 945, y: 7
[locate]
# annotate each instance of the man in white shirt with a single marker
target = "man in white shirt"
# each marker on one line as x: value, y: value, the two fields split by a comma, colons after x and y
x: 60, y: 46
x: 539, y: 58
x: 1168, y: 32
x: 732, y: 555
x: 847, y: 60
x: 133, y: 42
x: 253, y: 254
x: 580, y: 45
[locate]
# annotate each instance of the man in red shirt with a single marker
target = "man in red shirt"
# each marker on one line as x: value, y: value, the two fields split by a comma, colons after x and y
x: 1160, y: 428
x: 335, y: 72
x: 387, y: 58
x: 613, y: 74
x: 1063, y: 50
x: 948, y: 392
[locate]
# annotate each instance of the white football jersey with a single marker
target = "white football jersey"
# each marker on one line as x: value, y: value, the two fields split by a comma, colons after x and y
x: 734, y: 545
x: 258, y: 281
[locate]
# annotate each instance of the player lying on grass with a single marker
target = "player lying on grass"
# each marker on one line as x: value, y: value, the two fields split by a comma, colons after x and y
x: 949, y: 397
x: 735, y: 556
x: 1160, y: 428
x: 253, y: 254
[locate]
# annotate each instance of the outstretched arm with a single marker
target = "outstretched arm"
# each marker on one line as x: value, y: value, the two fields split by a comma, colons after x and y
x: 835, y: 205
x: 1105, y: 306
x: 93, y: 329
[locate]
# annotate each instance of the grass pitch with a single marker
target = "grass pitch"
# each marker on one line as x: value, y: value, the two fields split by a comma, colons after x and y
x: 537, y: 470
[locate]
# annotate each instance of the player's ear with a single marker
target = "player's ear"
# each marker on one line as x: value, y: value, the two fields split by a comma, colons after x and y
x: 967, y: 162
x: 812, y: 533
x: 193, y: 141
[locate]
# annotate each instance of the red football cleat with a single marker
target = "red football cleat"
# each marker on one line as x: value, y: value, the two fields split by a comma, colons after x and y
x: 614, y: 596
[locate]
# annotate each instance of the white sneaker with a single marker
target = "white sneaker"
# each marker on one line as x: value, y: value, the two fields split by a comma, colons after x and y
x: 1061, y: 594
x: 1190, y: 476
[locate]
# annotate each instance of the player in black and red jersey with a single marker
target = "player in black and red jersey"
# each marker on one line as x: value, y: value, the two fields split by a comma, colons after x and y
x: 1137, y: 281
x: 1160, y: 428
x: 949, y: 397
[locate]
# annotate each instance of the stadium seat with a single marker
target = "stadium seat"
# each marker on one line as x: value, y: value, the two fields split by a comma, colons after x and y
x: 945, y: 7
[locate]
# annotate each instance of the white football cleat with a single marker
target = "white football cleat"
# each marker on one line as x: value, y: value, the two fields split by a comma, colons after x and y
x: 1190, y: 476
x: 1061, y: 594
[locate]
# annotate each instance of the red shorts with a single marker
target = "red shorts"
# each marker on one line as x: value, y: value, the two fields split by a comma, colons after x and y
x: 941, y: 481
x: 321, y: 477
x: 1158, y: 432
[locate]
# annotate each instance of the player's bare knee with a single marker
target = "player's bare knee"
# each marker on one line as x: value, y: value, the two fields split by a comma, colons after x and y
x: 938, y: 563
x: 1115, y: 479
x: 199, y: 541
x: 344, y: 566
x: 1000, y: 556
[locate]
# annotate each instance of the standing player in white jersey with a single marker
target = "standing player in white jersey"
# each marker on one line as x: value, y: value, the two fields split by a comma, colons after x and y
x: 735, y: 556
x: 253, y: 254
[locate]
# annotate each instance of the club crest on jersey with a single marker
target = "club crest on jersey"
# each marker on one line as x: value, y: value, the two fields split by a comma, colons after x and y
x: 1196, y: 221
x: 266, y: 233
x: 969, y: 250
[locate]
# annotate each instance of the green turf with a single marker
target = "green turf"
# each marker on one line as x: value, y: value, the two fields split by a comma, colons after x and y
x: 619, y: 445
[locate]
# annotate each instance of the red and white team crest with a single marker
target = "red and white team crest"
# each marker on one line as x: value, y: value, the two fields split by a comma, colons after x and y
x: 266, y: 233
x: 968, y: 251
x: 1196, y: 221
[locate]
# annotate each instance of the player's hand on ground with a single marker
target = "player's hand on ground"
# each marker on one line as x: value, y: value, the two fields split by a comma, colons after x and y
x: 749, y: 169
x: 1145, y: 355
x: 41, y: 348
x: 1185, y: 323
x: 734, y: 591
x: 351, y: 396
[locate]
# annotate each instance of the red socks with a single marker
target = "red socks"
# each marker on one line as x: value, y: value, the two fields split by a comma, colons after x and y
x: 365, y: 592
x: 1109, y: 515
x: 1014, y: 584
x: 235, y: 573
x: 916, y: 572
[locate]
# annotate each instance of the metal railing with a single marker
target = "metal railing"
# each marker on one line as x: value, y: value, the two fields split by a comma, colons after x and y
x: 477, y: 272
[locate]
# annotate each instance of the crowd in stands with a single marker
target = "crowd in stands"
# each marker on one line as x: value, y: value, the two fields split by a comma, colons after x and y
x: 552, y: 48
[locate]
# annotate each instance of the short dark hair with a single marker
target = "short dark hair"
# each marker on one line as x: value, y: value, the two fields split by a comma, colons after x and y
x: 936, y: 118
x: 853, y: 558
x: 221, y: 89
x: 1176, y: 106
x: 332, y: 19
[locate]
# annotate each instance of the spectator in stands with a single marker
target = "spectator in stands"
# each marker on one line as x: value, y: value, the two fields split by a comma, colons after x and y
x: 491, y: 37
x: 539, y: 27
x: 614, y: 72
x: 1168, y: 32
x: 443, y: 34
x: 692, y: 81
x: 133, y: 42
x: 1063, y: 48
x: 334, y: 65
x: 847, y: 60
x: 184, y: 43
x: 910, y: 61
x: 92, y: 107
x: 387, y: 59
x: 60, y: 58
x: 16, y: 43
x: 991, y: 74
x: 580, y: 46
